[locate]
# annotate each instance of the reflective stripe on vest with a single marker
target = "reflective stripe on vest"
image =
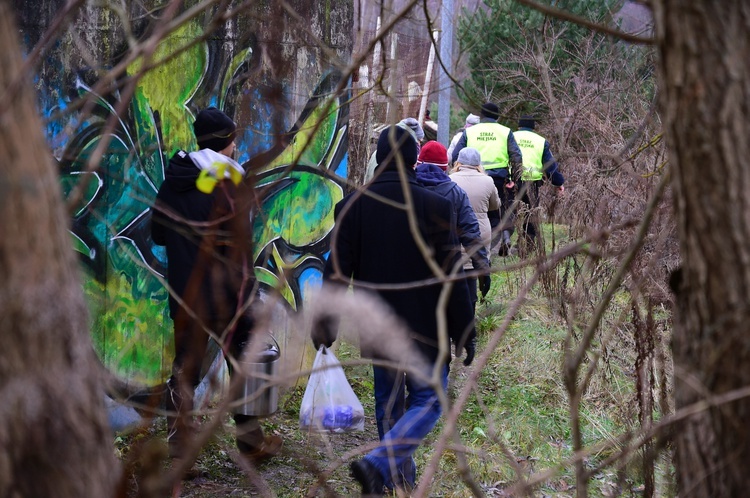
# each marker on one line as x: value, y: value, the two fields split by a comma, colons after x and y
x: 491, y: 140
x: 532, y: 148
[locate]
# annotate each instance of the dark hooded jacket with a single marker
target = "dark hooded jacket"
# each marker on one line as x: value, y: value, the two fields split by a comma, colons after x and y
x: 208, y: 266
x: 434, y: 178
x: 373, y: 243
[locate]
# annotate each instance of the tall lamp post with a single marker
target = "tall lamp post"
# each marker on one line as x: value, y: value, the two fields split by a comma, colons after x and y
x: 445, y: 85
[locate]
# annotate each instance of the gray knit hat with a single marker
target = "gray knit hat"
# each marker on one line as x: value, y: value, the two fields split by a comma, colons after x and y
x: 469, y: 156
x: 471, y: 120
x: 413, y: 125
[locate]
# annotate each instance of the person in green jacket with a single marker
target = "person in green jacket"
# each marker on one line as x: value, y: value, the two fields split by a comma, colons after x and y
x: 538, y: 165
x: 502, y: 160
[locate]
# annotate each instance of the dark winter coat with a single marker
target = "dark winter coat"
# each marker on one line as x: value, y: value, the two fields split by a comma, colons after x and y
x: 206, y: 266
x: 374, y: 244
x: 434, y: 178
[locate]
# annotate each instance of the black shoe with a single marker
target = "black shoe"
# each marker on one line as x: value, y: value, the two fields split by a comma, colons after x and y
x: 368, y: 477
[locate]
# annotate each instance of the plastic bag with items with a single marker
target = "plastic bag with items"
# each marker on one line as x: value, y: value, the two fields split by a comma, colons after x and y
x: 329, y: 403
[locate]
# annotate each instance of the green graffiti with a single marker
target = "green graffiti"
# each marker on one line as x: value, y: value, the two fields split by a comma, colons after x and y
x: 311, y: 142
x: 278, y: 280
x: 131, y: 327
x: 131, y: 334
x: 301, y: 213
x: 234, y: 67
x: 168, y: 86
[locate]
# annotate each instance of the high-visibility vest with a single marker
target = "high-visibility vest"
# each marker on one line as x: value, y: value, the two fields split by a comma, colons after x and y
x: 532, y: 149
x: 491, y: 140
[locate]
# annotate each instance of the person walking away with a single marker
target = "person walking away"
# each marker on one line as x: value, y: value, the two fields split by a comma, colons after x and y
x: 479, y: 188
x: 209, y: 272
x: 374, y: 244
x: 502, y: 160
x: 416, y: 130
x: 432, y: 164
x: 538, y: 164
x: 471, y: 120
x: 430, y: 127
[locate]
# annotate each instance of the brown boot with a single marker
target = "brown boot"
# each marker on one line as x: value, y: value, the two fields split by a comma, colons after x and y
x: 270, y: 448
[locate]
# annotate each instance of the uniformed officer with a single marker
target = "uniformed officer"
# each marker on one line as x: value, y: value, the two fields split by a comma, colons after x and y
x: 502, y: 160
x: 538, y: 164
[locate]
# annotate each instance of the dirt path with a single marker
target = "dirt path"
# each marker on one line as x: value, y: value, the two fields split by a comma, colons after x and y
x: 304, y: 458
x: 310, y: 464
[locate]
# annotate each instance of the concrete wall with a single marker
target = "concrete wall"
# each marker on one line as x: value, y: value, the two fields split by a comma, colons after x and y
x: 266, y: 70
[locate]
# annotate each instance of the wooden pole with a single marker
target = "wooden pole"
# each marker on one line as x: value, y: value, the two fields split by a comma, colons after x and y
x: 427, y: 79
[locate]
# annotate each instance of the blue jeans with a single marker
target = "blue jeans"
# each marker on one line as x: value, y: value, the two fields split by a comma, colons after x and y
x: 401, y: 418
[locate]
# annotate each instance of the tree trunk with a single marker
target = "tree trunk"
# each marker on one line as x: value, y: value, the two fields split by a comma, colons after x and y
x: 54, y: 435
x: 705, y: 95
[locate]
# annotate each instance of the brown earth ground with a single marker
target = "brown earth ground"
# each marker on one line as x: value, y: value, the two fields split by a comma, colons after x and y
x: 311, y: 464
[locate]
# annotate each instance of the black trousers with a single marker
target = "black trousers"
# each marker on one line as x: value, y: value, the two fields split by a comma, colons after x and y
x: 472, y: 282
x: 506, y: 216
x: 191, y: 344
x: 529, y: 211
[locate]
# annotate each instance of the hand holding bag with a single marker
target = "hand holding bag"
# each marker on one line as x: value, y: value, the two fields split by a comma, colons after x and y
x: 329, y: 403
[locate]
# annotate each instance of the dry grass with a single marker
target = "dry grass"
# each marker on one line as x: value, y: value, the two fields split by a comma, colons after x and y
x: 517, y: 426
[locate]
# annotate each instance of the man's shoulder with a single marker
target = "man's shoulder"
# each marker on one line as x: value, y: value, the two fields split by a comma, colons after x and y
x: 181, y: 157
x: 451, y: 188
x: 484, y: 126
x: 459, y: 191
x: 445, y: 189
x: 435, y: 199
x: 181, y: 162
x: 386, y: 186
x: 525, y: 131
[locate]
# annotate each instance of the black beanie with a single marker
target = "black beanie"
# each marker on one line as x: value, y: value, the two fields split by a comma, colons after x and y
x: 490, y: 110
x: 213, y: 129
x: 526, y: 122
x: 406, y: 146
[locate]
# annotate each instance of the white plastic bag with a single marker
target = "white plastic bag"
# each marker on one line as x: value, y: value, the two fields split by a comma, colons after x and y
x: 329, y: 403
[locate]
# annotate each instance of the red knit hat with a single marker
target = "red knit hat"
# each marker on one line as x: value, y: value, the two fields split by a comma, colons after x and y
x: 434, y: 153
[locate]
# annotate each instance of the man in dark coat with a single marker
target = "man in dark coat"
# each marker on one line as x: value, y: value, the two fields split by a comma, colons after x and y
x: 209, y: 272
x: 432, y: 163
x: 374, y: 244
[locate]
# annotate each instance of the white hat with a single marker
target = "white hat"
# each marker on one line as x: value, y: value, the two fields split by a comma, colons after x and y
x: 472, y: 119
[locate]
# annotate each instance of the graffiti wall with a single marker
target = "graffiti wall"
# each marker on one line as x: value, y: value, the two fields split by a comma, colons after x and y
x: 278, y: 74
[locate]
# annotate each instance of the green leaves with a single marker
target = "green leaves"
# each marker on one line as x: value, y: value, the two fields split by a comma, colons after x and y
x: 518, y: 55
